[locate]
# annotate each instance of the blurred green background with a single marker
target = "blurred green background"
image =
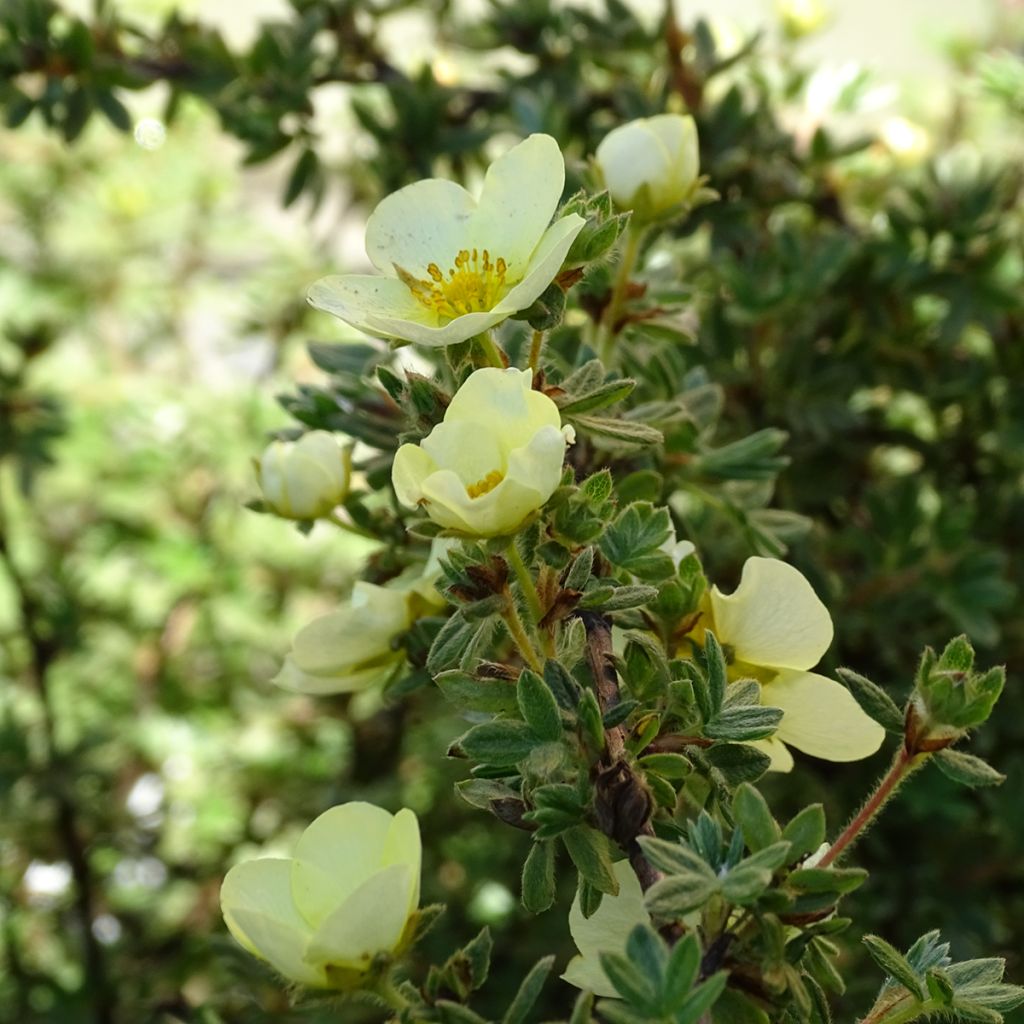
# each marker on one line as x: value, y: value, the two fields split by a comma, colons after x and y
x: 859, y: 285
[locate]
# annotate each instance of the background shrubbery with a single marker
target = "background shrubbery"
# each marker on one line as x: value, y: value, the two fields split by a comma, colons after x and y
x: 864, y: 298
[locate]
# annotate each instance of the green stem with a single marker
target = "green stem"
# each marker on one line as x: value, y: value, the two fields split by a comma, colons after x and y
x: 536, y: 347
x: 525, y: 580
x: 492, y: 354
x: 519, y: 635
x: 903, y: 765
x: 607, y: 330
x: 358, y: 531
x: 879, y: 1014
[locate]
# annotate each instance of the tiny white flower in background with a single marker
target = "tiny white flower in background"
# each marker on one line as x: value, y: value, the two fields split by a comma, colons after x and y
x: 650, y: 165
x: 814, y: 859
x: 496, y: 458
x: 775, y: 628
x: 304, y: 479
x: 801, y: 17
x: 452, y: 266
x: 351, y: 648
x: 605, y: 931
x: 345, y: 896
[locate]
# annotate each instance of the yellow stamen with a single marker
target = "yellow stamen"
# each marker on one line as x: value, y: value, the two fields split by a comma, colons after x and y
x: 473, y: 285
x: 486, y: 485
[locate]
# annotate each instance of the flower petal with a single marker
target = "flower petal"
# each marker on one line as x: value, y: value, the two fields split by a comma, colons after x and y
x: 782, y: 759
x: 425, y: 222
x: 371, y: 920
x: 773, y: 618
x: 257, y: 904
x: 410, y: 468
x: 605, y: 931
x: 821, y: 718
x: 421, y: 332
x: 360, y: 299
x: 291, y: 677
x: 629, y: 157
x: 544, y: 264
x: 334, y: 856
x: 403, y: 846
x: 520, y: 194
x: 499, y: 511
x: 468, y: 448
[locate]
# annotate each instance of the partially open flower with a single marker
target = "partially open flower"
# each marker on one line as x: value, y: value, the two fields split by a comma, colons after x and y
x: 344, y: 898
x: 352, y: 648
x: 773, y: 628
x: 454, y: 266
x: 496, y: 458
x: 605, y: 931
x: 306, y: 478
x: 650, y: 165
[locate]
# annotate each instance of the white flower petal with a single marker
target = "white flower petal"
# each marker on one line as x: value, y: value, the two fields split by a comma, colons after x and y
x: 520, y: 194
x: 371, y: 920
x: 773, y: 618
x: 631, y: 156
x: 821, y: 717
x: 467, y: 447
x: 411, y: 466
x: 497, y: 512
x: 544, y: 264
x: 359, y: 299
x: 462, y: 328
x: 423, y: 223
x: 291, y: 677
x: 403, y: 846
x: 256, y: 901
x: 589, y: 974
x: 781, y: 758
x: 334, y: 856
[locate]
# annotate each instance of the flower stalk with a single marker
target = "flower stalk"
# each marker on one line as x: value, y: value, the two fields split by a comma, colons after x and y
x: 609, y: 319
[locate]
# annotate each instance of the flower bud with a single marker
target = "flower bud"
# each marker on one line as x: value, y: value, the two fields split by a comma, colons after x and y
x: 651, y: 165
x: 496, y: 458
x: 304, y: 479
x: 352, y: 648
x: 801, y: 17
x: 327, y: 916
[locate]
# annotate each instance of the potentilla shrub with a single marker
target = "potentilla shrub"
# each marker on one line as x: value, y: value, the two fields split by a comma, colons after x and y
x: 525, y: 477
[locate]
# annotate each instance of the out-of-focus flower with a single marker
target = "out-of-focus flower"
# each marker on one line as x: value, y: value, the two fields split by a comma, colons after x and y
x: 304, y: 479
x: 773, y: 628
x: 801, y: 17
x: 650, y: 165
x: 496, y: 458
x: 345, y: 897
x: 351, y: 648
x: 909, y: 143
x: 605, y: 931
x: 453, y: 266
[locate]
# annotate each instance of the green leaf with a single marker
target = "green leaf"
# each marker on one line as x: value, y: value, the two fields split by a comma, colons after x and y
x: 538, y: 706
x: 701, y: 999
x: 539, y: 877
x: 674, y: 858
x: 670, y: 766
x: 591, y: 853
x: 529, y: 990
x: 581, y: 1011
x: 677, y: 895
x: 646, y: 949
x: 626, y: 433
x: 681, y: 972
x: 806, y: 832
x: 895, y: 965
x: 738, y: 762
x: 457, y: 643
x: 467, y: 693
x: 629, y: 982
x: 874, y: 701
x: 717, y: 673
x: 301, y: 177
x: 743, y: 885
x: 840, y: 880
x: 752, y: 814
x: 607, y: 393
x: 743, y: 723
x: 455, y: 1013
x: 502, y: 743
x: 967, y: 769
x: 116, y: 112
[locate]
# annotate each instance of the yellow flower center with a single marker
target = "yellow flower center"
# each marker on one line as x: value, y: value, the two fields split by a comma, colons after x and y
x: 473, y: 285
x: 485, y: 485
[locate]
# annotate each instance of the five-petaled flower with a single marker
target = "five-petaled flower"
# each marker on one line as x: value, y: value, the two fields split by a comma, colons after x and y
x: 453, y: 266
x: 496, y: 458
x: 344, y: 898
x: 774, y: 628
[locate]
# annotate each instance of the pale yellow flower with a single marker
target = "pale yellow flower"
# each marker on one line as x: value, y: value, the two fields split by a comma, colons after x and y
x: 650, y: 165
x: 774, y: 628
x: 606, y: 931
x: 344, y: 897
x: 304, y: 479
x: 452, y: 266
x: 496, y: 458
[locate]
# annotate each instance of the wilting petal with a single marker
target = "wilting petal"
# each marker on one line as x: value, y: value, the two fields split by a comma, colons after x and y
x: 773, y: 618
x: 821, y: 717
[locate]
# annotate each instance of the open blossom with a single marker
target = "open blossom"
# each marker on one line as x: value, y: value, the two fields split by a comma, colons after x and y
x: 452, y: 266
x: 605, y: 931
x: 650, y: 165
x: 306, y: 478
x: 774, y: 628
x: 496, y: 458
x: 346, y: 896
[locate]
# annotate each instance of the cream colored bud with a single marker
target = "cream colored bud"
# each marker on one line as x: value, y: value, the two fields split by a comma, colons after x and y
x: 650, y: 165
x: 304, y: 479
x: 346, y: 897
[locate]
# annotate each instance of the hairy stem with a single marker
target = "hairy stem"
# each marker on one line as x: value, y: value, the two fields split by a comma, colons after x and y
x: 519, y: 635
x: 903, y: 765
x: 529, y: 588
x: 536, y: 347
x: 610, y: 317
x: 491, y: 352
